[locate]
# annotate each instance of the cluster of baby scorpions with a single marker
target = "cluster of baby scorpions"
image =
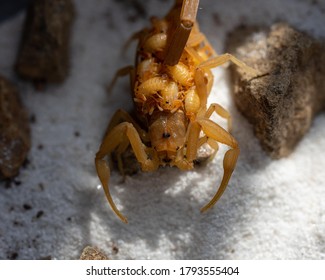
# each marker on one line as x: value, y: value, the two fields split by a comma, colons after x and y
x: 170, y: 83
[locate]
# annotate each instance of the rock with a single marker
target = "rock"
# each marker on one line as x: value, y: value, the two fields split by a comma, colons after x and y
x: 282, y: 102
x: 14, y: 130
x: 90, y: 253
x: 44, y: 51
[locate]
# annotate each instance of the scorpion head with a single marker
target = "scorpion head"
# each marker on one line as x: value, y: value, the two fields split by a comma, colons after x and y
x: 167, y: 132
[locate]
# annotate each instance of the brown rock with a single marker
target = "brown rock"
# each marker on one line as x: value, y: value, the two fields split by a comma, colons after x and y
x: 14, y: 130
x: 90, y: 253
x: 44, y: 52
x: 282, y: 102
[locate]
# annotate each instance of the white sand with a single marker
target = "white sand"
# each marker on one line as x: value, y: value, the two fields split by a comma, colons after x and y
x: 271, y: 210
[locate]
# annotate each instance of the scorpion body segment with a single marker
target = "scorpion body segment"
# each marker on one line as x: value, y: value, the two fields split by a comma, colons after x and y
x: 170, y: 84
x: 167, y: 133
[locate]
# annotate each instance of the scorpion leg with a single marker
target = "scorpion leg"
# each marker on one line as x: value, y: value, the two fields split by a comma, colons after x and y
x: 187, y: 154
x: 119, y: 117
x: 120, y: 73
x: 201, y: 83
x: 212, y: 143
x: 192, y: 143
x: 193, y: 53
x: 222, y: 59
x: 121, y: 148
x: 111, y: 141
x: 198, y: 39
x: 222, y: 112
x: 195, y: 39
x: 203, y: 77
x: 123, y: 116
x: 217, y: 133
x: 133, y: 37
x: 182, y: 32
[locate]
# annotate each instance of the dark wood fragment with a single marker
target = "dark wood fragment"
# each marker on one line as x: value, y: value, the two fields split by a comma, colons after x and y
x: 14, y: 130
x: 44, y: 53
x: 282, y: 102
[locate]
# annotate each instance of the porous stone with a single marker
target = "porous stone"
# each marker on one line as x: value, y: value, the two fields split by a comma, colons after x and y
x: 44, y: 51
x: 91, y: 253
x: 282, y: 101
x: 14, y: 130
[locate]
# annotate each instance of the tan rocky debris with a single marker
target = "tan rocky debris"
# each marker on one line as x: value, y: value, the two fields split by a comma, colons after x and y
x: 14, y: 130
x: 282, y: 102
x: 91, y: 253
x: 44, y: 50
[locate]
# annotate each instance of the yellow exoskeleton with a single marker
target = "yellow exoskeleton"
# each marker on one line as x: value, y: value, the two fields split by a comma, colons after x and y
x: 170, y: 83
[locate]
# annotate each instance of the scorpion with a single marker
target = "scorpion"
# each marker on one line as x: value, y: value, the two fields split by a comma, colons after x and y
x: 170, y: 82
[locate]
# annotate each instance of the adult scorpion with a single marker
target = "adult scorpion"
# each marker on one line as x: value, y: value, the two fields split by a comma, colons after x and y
x: 170, y: 83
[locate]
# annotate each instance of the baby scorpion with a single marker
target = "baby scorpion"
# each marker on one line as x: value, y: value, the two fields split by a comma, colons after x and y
x: 170, y: 83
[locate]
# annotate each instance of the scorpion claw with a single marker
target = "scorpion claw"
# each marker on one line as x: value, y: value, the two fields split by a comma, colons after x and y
x: 104, y: 175
x: 229, y: 164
